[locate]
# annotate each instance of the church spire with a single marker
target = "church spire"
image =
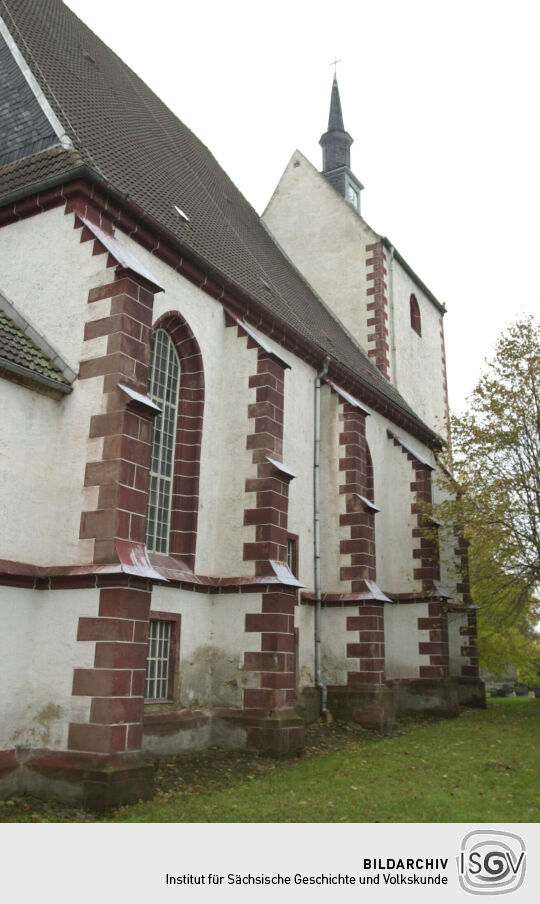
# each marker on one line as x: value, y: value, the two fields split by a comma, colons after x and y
x: 336, y: 143
x: 335, y: 118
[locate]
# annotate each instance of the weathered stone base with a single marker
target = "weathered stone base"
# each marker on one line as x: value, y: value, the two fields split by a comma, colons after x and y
x: 95, y: 784
x: 279, y: 734
x: 370, y: 705
x: 308, y: 704
x: 432, y: 696
x: 100, y: 783
x: 167, y: 733
x: 471, y: 692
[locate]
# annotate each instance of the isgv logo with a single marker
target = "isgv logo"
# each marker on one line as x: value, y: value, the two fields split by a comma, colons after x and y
x: 491, y: 862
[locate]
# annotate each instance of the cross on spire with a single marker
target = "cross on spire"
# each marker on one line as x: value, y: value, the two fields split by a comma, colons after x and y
x: 334, y: 64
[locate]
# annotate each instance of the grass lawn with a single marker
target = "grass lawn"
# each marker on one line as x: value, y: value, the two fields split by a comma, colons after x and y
x: 480, y: 767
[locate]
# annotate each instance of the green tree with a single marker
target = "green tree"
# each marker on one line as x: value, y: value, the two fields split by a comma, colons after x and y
x: 495, y: 463
x: 507, y: 618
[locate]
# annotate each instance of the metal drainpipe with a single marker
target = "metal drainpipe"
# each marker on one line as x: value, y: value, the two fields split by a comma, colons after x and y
x: 319, y: 683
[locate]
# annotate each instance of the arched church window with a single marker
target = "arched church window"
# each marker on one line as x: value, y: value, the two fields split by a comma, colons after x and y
x: 163, y: 389
x: 416, y: 322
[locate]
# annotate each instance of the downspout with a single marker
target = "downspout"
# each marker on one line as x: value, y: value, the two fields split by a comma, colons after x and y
x: 319, y: 683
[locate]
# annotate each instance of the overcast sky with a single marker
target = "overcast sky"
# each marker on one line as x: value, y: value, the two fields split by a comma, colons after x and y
x: 440, y: 97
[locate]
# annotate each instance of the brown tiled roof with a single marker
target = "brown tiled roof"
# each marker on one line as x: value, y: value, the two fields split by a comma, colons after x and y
x: 18, y: 349
x: 34, y: 169
x: 133, y: 141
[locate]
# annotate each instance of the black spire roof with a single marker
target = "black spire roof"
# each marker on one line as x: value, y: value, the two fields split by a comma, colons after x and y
x: 335, y: 118
x: 335, y: 142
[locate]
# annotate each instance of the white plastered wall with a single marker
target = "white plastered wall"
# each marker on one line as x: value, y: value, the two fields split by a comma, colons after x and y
x: 225, y: 461
x: 449, y: 564
x: 304, y: 621
x: 47, y: 273
x: 325, y: 238
x: 334, y: 640
x: 456, y: 620
x: 56, y: 431
x: 298, y: 457
x: 393, y: 475
x: 417, y: 360
x: 401, y: 639
x: 228, y: 460
x: 39, y: 652
x: 53, y: 294
x: 212, y: 644
x: 332, y: 502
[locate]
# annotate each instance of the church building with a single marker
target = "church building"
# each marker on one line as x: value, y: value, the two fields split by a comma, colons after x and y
x: 219, y: 443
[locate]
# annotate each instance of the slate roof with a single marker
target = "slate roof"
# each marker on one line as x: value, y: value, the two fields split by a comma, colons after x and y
x: 18, y: 349
x: 335, y: 116
x: 133, y: 141
x: 25, y: 128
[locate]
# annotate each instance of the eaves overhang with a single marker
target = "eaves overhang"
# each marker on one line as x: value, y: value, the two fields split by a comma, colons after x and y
x: 32, y: 377
x: 81, y: 171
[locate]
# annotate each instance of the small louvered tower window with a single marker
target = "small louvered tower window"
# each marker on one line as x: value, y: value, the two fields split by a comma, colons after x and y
x: 163, y: 389
x: 416, y: 323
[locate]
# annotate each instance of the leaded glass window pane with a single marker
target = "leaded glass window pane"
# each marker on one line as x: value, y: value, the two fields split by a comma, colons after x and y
x: 163, y: 389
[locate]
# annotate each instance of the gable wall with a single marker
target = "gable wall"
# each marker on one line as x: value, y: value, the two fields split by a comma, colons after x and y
x: 333, y: 248
x: 326, y: 240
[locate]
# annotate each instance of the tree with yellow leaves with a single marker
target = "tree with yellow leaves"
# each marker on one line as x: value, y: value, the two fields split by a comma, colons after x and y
x: 495, y: 462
